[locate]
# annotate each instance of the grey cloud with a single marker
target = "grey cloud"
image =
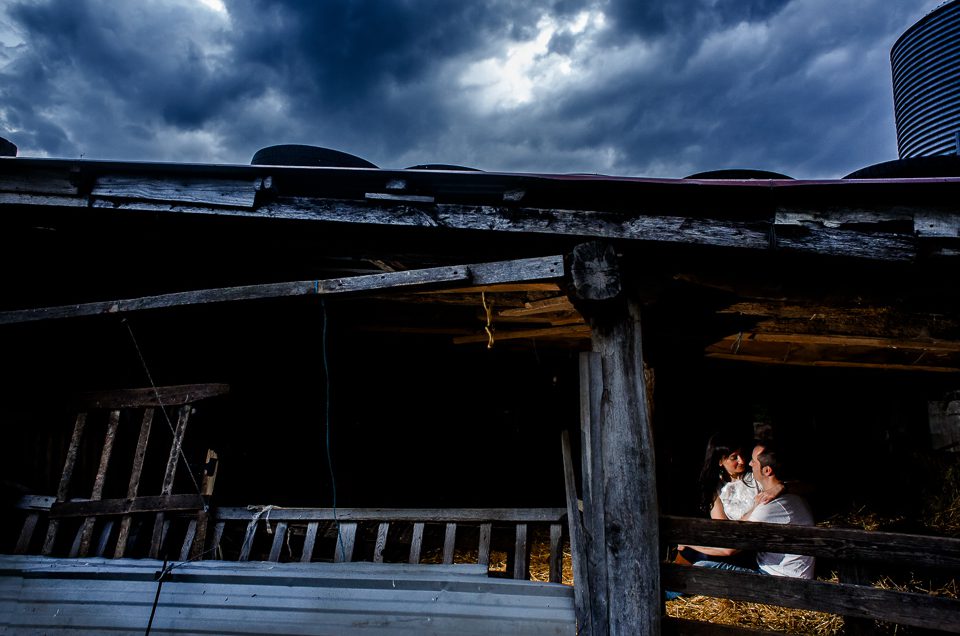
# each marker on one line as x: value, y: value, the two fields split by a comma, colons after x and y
x: 787, y: 85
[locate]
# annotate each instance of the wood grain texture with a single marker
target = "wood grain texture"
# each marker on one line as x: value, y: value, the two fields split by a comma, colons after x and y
x: 905, y: 608
x: 834, y: 543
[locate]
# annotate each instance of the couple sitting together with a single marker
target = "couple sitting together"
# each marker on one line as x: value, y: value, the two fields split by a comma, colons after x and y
x: 732, y: 491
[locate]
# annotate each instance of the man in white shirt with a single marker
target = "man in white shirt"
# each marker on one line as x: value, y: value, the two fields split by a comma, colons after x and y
x: 766, y: 464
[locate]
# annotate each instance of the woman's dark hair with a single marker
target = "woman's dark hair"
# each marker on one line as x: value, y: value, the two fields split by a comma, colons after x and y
x: 712, y: 475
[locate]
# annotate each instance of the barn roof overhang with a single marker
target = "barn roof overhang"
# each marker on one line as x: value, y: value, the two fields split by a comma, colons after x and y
x: 824, y: 273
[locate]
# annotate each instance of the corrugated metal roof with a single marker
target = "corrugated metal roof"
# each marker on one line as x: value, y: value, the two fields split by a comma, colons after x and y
x: 46, y: 595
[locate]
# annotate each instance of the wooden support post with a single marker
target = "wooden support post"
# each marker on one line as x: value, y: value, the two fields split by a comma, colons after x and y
x: 621, y: 475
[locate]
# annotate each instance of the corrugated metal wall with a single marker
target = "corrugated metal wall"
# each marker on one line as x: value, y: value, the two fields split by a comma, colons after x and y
x: 926, y: 84
x: 41, y: 595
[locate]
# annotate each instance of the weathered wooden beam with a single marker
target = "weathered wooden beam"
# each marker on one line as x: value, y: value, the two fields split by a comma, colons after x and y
x: 568, y: 331
x: 176, y: 395
x: 547, y: 305
x: 159, y: 503
x: 844, y: 364
x: 625, y: 490
x: 227, y: 192
x: 426, y: 515
x: 905, y: 608
x: 834, y: 543
x: 481, y: 273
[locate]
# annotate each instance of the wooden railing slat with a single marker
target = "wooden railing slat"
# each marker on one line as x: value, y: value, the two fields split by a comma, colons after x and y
x: 906, y: 608
x: 309, y: 541
x: 279, y: 534
x: 449, y: 542
x: 416, y: 543
x: 836, y: 543
x: 347, y: 537
x: 483, y: 550
x: 64, y: 487
x: 248, y: 538
x: 556, y: 553
x: 381, y: 544
x: 188, y: 540
x: 86, y: 530
x: 169, y: 476
x: 521, y: 561
x: 134, y: 485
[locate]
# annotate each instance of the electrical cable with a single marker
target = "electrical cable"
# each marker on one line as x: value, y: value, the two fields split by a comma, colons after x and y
x: 326, y: 375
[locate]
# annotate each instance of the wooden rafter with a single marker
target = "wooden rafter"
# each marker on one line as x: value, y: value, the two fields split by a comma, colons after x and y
x: 483, y: 274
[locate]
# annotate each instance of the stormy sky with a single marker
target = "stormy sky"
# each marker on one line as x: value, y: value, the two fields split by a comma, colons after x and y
x: 659, y: 88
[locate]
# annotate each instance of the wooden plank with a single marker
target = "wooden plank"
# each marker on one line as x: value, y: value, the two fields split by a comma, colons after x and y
x: 64, y: 486
x: 833, y: 543
x: 483, y: 547
x: 42, y: 200
x: 104, y: 539
x: 188, y: 539
x: 547, y: 305
x: 426, y: 515
x: 248, y: 538
x: 133, y: 485
x: 556, y: 553
x: 279, y: 535
x: 26, y: 533
x: 381, y: 543
x: 309, y: 542
x: 930, y: 345
x: 39, y: 182
x: 832, y: 363
x: 581, y: 331
x: 101, y: 507
x: 905, y: 608
x: 594, y: 563
x: 346, y: 538
x: 169, y: 475
x: 550, y: 221
x: 629, y: 505
x: 36, y: 502
x: 521, y: 556
x: 86, y: 530
x: 416, y: 543
x: 238, y: 193
x: 578, y: 556
x: 218, y: 529
x: 449, y: 543
x: 211, y: 467
x: 149, y: 397
x: 481, y: 273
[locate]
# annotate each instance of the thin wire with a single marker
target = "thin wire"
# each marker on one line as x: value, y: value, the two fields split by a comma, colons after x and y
x: 326, y: 375
x: 163, y: 409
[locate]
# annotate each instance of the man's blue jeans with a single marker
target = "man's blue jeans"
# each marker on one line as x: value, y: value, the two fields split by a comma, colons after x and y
x: 716, y: 565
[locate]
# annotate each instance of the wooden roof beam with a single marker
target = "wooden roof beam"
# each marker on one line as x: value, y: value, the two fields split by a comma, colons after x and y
x: 481, y: 274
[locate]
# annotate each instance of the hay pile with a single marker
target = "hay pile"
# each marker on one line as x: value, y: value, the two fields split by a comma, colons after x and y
x: 754, y: 615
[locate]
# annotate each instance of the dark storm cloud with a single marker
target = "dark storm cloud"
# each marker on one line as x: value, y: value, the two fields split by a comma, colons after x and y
x: 660, y: 88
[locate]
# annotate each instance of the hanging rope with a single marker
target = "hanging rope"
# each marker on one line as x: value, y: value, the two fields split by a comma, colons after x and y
x: 333, y: 479
x: 488, y: 309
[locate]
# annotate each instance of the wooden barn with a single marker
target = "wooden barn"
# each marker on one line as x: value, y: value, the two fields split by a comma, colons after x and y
x: 296, y: 398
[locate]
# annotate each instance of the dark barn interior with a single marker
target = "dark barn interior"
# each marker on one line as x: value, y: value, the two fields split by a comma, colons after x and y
x: 415, y: 419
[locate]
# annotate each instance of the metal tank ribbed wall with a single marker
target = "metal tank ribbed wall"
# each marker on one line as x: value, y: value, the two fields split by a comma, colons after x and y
x: 926, y: 84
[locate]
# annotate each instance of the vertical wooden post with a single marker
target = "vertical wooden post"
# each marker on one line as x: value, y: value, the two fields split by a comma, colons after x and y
x: 621, y: 515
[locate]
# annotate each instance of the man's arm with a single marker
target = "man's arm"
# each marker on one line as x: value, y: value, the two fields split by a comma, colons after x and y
x: 711, y: 551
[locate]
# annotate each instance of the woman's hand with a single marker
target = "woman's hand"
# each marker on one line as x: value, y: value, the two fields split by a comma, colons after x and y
x: 768, y: 495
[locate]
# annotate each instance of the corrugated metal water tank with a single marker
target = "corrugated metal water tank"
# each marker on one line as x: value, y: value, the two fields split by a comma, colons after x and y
x: 926, y: 84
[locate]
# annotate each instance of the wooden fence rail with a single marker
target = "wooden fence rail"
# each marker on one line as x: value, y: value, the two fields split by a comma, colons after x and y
x: 853, y: 601
x: 280, y: 523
